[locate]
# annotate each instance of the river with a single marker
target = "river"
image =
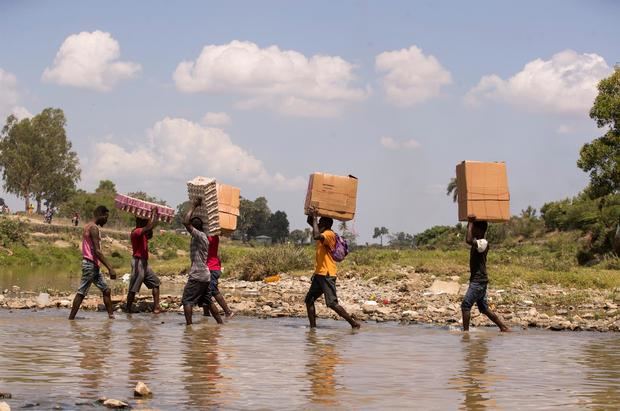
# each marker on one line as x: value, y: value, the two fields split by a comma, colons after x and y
x: 48, y: 361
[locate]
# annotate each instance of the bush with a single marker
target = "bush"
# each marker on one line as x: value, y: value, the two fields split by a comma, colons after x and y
x: 12, y: 232
x: 266, y: 261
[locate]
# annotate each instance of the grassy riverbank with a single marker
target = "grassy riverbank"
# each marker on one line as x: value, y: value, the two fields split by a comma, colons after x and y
x: 548, y: 260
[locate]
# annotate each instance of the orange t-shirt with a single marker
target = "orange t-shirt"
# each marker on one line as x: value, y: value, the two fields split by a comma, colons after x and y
x: 325, y: 263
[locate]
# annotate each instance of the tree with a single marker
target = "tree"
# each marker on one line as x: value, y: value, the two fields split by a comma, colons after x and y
x: 453, y: 189
x: 601, y: 157
x: 36, y: 158
x: 253, y: 217
x: 297, y: 236
x: 106, y: 187
x: 402, y: 239
x: 182, y: 209
x: 380, y: 232
x: 277, y: 226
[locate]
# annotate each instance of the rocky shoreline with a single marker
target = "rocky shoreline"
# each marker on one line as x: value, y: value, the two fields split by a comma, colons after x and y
x: 418, y: 299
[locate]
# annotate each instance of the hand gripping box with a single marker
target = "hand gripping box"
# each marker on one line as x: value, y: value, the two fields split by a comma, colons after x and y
x: 141, y: 208
x: 332, y: 196
x: 483, y: 191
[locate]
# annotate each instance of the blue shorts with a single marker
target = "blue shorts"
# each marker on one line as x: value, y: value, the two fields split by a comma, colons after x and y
x: 476, y: 294
x: 215, y: 278
x: 91, y: 274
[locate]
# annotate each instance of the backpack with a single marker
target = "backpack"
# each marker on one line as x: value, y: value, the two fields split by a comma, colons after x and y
x: 341, y: 249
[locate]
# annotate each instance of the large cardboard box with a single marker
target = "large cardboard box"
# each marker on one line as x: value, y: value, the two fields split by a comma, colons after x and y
x: 220, y: 204
x: 332, y: 196
x: 483, y: 191
x: 228, y: 198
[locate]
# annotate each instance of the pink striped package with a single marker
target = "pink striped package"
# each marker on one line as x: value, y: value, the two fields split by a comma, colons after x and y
x: 141, y: 208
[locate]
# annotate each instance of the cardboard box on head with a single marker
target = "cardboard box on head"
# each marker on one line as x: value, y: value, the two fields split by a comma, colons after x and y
x: 332, y: 196
x: 220, y: 204
x: 483, y: 191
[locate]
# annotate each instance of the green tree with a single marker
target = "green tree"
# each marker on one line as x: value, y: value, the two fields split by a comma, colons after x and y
x: 380, y: 232
x: 253, y: 217
x: 601, y: 157
x: 36, y: 158
x: 297, y: 236
x: 277, y: 226
x: 182, y: 209
x: 453, y: 190
x: 402, y: 239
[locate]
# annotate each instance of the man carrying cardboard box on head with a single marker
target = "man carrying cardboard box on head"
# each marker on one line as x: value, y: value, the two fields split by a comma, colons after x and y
x: 478, y: 280
x: 324, y: 278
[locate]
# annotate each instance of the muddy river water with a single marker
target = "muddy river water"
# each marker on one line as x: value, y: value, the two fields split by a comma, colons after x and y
x: 47, y: 361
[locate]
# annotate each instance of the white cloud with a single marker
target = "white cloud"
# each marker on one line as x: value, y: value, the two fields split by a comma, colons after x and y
x: 564, y: 84
x: 176, y: 150
x: 216, y: 119
x: 90, y: 60
x: 9, y: 97
x: 283, y: 80
x: 392, y: 144
x: 411, y: 77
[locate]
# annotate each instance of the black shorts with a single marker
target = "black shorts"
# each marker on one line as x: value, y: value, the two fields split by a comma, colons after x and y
x: 196, y: 293
x: 323, y: 284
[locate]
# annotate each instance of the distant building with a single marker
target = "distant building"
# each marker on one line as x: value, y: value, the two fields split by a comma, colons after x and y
x: 263, y: 239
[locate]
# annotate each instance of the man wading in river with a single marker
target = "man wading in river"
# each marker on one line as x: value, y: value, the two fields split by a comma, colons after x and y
x: 91, y: 257
x: 197, y: 290
x: 140, y: 270
x: 324, y: 278
x: 477, y: 291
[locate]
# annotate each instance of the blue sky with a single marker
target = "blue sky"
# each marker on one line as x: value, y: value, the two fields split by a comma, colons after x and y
x: 396, y: 93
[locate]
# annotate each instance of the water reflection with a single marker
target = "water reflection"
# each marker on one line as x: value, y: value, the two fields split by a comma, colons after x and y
x: 474, y: 379
x: 202, y: 365
x: 321, y: 370
x: 603, y: 377
x: 94, y: 347
x: 142, y: 350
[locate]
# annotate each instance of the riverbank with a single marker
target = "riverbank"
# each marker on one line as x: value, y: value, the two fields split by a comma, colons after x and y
x: 419, y: 298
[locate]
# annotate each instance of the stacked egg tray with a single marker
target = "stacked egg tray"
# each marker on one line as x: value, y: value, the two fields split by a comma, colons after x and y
x: 206, y: 189
x: 141, y: 208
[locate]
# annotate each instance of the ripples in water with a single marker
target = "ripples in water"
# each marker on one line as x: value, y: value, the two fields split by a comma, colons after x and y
x: 281, y: 364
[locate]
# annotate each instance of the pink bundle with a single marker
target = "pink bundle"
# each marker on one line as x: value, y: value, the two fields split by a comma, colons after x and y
x: 141, y: 208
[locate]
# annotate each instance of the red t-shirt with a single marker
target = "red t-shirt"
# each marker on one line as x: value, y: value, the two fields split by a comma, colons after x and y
x: 139, y: 243
x: 213, y: 261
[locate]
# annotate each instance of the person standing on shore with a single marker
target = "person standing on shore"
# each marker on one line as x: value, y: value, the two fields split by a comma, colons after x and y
x: 324, y: 278
x: 91, y: 257
x: 477, y: 291
x: 140, y: 270
x: 215, y: 267
x: 197, y: 290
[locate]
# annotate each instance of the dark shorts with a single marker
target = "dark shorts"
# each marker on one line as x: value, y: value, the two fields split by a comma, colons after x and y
x: 141, y: 273
x: 196, y: 293
x: 476, y: 294
x: 322, y: 284
x: 215, y: 279
x: 91, y: 275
